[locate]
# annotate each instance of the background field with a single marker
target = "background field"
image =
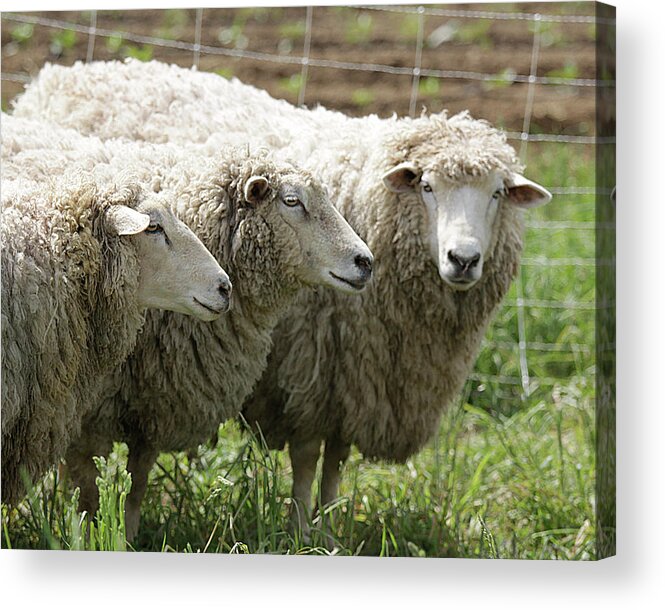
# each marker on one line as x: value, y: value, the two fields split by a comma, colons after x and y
x: 511, y: 472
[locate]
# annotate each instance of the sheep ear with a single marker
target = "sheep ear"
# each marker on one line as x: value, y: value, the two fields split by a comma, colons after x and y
x: 256, y: 189
x: 526, y: 194
x: 402, y: 178
x: 126, y: 221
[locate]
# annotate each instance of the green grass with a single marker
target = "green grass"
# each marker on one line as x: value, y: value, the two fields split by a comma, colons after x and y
x: 507, y: 475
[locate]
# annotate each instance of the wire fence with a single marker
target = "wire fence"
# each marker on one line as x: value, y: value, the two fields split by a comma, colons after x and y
x: 536, y: 22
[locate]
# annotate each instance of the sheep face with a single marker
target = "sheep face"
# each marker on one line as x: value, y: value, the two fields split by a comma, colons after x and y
x: 176, y: 271
x: 460, y: 215
x: 328, y: 251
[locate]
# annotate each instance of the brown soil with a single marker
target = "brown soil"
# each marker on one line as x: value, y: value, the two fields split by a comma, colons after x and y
x: 353, y: 35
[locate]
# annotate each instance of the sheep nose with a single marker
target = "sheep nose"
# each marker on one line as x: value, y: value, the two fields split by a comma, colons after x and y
x: 225, y: 287
x: 463, y: 263
x: 364, y: 263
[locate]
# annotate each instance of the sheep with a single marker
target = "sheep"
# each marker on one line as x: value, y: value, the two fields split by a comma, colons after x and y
x: 80, y: 263
x: 438, y: 199
x: 274, y: 229
x: 150, y: 102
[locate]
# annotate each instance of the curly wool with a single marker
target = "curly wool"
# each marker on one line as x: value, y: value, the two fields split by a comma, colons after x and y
x: 69, y: 314
x: 185, y: 376
x: 378, y: 369
x: 459, y: 148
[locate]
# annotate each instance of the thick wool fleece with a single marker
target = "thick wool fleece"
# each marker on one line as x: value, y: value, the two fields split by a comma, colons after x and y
x: 186, y: 377
x: 374, y: 370
x: 377, y: 370
x: 150, y: 102
x: 69, y: 314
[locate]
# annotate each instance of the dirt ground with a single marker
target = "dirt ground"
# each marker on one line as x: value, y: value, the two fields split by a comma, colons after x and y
x: 342, y: 34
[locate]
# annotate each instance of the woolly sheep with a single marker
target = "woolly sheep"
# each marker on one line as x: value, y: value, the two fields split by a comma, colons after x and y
x: 80, y: 263
x: 437, y: 199
x: 274, y: 229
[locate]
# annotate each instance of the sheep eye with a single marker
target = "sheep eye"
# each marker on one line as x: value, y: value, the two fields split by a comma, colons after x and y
x: 292, y: 201
x: 427, y: 188
x: 497, y: 194
x: 154, y: 228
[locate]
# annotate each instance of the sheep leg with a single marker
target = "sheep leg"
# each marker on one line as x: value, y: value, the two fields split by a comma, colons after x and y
x: 141, y: 459
x: 334, y: 457
x: 304, y: 456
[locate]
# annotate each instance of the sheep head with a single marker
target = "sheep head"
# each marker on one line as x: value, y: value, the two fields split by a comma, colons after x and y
x: 461, y: 172
x: 175, y: 270
x: 313, y: 242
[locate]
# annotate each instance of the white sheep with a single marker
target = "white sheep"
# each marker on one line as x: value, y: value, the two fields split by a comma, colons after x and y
x: 80, y: 263
x: 438, y: 200
x: 273, y: 227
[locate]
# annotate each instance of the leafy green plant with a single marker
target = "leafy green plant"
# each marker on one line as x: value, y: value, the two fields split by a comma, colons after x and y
x: 475, y: 31
x: 259, y: 13
x: 362, y: 97
x: 224, y: 72
x: 294, y: 30
x: 174, y: 24
x: 114, y: 43
x: 233, y: 36
x: 292, y: 84
x: 359, y: 30
x: 62, y: 40
x: 142, y: 53
x: 409, y: 27
x: 429, y: 86
x: 503, y: 79
x: 117, y: 45
x: 551, y: 34
x: 568, y: 70
x: 22, y: 32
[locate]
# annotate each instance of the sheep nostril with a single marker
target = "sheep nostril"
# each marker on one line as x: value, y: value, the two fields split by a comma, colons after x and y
x: 454, y: 260
x: 364, y: 262
x: 225, y: 288
x: 463, y: 263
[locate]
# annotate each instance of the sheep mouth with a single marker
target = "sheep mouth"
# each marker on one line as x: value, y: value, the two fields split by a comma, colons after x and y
x: 213, y: 310
x: 461, y: 283
x: 355, y: 284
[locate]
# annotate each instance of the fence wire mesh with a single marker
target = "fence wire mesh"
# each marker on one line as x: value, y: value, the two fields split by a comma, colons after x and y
x: 543, y: 336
